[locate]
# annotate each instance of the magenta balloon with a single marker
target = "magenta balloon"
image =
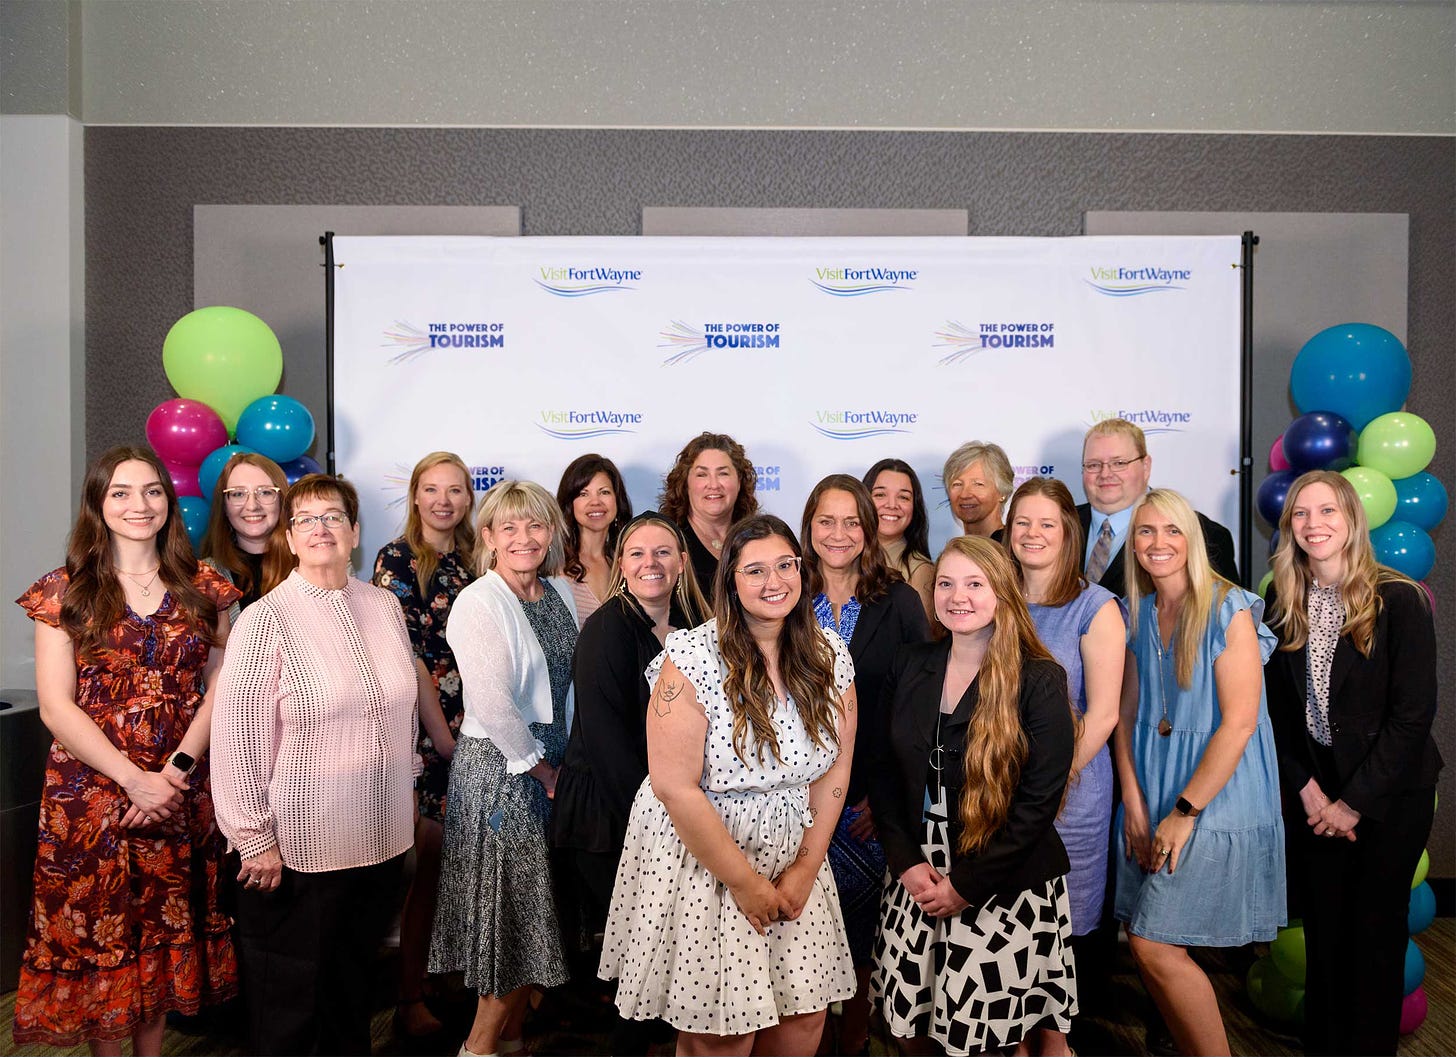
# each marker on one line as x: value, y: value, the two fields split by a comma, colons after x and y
x: 183, y: 431
x: 184, y: 479
x: 1277, y: 461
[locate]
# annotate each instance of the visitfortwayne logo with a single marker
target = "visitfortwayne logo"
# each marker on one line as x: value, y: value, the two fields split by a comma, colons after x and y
x: 857, y: 282
x: 857, y: 425
x: 586, y: 424
x: 584, y: 282
x: 1152, y: 420
x: 1118, y: 281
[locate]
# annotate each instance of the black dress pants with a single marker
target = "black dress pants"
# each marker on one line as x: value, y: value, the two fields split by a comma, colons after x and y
x: 308, y: 952
x: 1355, y: 897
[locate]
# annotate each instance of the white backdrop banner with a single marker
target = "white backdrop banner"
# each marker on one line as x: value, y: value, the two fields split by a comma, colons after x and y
x: 820, y: 355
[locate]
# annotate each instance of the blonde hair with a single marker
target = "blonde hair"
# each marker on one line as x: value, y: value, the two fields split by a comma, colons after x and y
x: 996, y: 744
x: 1358, y: 587
x: 1119, y: 427
x: 426, y: 558
x: 516, y: 499
x: 689, y: 595
x: 1206, y: 588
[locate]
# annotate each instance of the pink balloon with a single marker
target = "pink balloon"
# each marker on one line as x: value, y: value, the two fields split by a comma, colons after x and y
x: 1413, y: 1011
x: 183, y: 432
x: 184, y: 479
x: 1429, y: 594
x: 1277, y: 461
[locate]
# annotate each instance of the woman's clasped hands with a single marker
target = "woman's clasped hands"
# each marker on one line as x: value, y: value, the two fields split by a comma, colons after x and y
x: 932, y: 891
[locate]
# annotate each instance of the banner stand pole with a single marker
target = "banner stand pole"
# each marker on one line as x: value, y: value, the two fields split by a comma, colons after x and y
x: 326, y: 240
x: 1246, y: 415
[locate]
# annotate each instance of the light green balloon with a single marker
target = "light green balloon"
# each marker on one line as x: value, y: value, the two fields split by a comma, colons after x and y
x: 224, y: 357
x: 1422, y: 868
x: 1264, y: 584
x: 1398, y: 444
x: 1376, y: 492
x: 1287, y: 950
x: 1273, y: 994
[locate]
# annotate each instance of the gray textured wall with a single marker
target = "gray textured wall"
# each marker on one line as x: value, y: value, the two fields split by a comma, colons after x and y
x: 141, y: 185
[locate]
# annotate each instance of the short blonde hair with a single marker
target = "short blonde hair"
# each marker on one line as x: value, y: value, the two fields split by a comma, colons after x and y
x: 515, y: 499
x: 1119, y: 427
x: 992, y: 456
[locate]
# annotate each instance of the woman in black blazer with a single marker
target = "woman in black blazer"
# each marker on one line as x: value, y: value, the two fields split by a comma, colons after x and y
x: 974, y: 947
x: 1352, y: 693
x: 858, y: 596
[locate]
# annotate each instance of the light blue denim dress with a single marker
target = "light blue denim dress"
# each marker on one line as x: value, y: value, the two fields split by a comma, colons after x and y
x: 1229, y: 888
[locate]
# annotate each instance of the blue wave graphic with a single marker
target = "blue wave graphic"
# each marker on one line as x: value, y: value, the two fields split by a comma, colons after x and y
x: 586, y: 434
x: 1131, y: 291
x: 1162, y: 429
x: 582, y: 291
x: 858, y: 291
x: 834, y: 434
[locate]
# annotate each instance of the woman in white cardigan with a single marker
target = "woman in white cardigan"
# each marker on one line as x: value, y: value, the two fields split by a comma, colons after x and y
x: 513, y: 632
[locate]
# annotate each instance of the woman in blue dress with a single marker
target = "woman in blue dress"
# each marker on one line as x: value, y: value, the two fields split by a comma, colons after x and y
x: 1081, y: 623
x: 1204, y: 840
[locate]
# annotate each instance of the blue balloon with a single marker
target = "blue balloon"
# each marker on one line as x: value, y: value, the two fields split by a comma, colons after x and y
x: 1421, y: 500
x: 1404, y: 548
x: 1320, y: 440
x: 299, y: 467
x: 1273, y: 490
x: 1356, y: 370
x: 1273, y: 542
x: 1422, y: 908
x: 1415, y: 967
x: 194, y: 512
x: 211, y: 468
x: 276, y: 426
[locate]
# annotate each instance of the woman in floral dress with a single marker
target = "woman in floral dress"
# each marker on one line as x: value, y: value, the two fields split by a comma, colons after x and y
x: 125, y: 924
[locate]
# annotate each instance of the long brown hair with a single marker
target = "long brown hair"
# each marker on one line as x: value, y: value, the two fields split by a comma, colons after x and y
x: 917, y: 533
x: 806, y: 660
x: 996, y: 744
x: 222, y: 546
x: 1358, y: 587
x: 686, y: 592
x: 577, y: 475
x: 874, y: 574
x: 674, y: 499
x: 1067, y: 579
x: 94, y: 600
x: 426, y: 558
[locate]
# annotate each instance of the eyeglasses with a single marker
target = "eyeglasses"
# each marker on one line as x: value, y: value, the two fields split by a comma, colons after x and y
x: 757, y: 575
x: 265, y: 496
x: 309, y: 522
x: 1115, y: 465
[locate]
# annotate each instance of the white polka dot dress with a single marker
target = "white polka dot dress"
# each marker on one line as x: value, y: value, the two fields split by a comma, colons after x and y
x: 676, y: 942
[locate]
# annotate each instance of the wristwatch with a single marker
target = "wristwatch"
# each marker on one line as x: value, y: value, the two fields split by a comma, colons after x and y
x: 1184, y: 808
x: 184, y: 763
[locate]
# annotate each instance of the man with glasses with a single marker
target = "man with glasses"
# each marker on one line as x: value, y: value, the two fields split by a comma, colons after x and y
x: 1115, y: 471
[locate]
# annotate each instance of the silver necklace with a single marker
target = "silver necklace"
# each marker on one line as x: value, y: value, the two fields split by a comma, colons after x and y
x: 143, y: 587
x: 1165, y: 728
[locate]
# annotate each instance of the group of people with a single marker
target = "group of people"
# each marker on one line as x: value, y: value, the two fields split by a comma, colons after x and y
x: 773, y: 771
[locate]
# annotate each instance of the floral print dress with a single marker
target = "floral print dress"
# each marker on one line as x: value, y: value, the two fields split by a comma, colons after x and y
x: 394, y: 570
x: 125, y: 923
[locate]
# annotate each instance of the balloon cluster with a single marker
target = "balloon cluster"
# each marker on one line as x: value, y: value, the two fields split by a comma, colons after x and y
x: 1350, y: 383
x: 225, y: 364
x: 1276, y: 982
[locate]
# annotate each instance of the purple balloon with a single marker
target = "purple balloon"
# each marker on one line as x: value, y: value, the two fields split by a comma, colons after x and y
x: 1320, y: 440
x: 302, y: 466
x: 183, y: 432
x: 1271, y: 495
x: 184, y: 479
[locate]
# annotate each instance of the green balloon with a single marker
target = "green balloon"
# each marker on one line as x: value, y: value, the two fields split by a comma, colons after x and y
x: 1376, y: 492
x: 224, y: 357
x: 1398, y: 445
x: 1264, y: 584
x: 1287, y: 950
x: 1273, y: 995
x: 1422, y: 868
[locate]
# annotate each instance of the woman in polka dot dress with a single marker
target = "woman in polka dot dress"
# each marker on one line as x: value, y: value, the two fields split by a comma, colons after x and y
x: 725, y: 921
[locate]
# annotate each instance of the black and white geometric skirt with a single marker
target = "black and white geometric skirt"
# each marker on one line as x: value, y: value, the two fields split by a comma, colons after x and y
x: 979, y: 980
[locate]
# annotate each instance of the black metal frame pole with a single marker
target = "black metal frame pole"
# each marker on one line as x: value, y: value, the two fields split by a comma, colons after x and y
x: 1246, y: 414
x: 326, y: 240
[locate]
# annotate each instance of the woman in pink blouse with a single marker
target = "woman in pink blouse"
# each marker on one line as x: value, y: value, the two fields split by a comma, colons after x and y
x: 313, y: 769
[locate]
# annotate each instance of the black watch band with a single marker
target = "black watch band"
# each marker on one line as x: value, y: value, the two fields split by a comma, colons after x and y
x: 184, y: 763
x: 1183, y: 807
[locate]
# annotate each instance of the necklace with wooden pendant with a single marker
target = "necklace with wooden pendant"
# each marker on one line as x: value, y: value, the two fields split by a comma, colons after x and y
x: 1165, y: 727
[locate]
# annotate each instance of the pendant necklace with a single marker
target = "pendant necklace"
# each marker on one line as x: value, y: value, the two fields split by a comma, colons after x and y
x: 1165, y: 728
x: 143, y: 587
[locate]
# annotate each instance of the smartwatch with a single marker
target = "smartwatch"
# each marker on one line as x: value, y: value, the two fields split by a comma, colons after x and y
x: 184, y: 763
x: 1184, y: 808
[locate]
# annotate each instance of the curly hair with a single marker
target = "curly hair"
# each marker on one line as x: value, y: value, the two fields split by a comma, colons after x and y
x: 673, y: 502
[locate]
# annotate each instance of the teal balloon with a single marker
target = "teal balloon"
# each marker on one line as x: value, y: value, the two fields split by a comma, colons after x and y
x: 1377, y: 493
x: 1422, y: 909
x: 1404, y: 548
x: 212, y: 466
x: 1287, y: 950
x: 224, y: 357
x: 1421, y: 500
x: 1356, y: 370
x: 1398, y: 445
x: 1272, y: 993
x: 194, y: 512
x: 1415, y: 967
x: 276, y: 426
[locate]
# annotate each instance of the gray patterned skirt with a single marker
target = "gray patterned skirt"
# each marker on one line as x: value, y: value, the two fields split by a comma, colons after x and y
x: 495, y: 919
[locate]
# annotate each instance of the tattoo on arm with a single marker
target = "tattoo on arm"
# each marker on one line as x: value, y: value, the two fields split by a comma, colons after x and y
x: 803, y: 851
x: 658, y: 705
x: 838, y: 793
x: 664, y: 694
x: 673, y: 690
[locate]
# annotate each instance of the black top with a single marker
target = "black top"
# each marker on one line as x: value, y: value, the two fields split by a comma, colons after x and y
x: 254, y: 562
x: 1217, y: 539
x: 705, y: 562
x: 1381, y: 709
x: 606, y: 755
x: 883, y: 627
x: 1025, y: 851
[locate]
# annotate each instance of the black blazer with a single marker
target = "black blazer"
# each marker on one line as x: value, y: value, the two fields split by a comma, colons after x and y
x: 1026, y: 850
x: 1381, y: 708
x: 1218, y: 540
x: 883, y: 627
